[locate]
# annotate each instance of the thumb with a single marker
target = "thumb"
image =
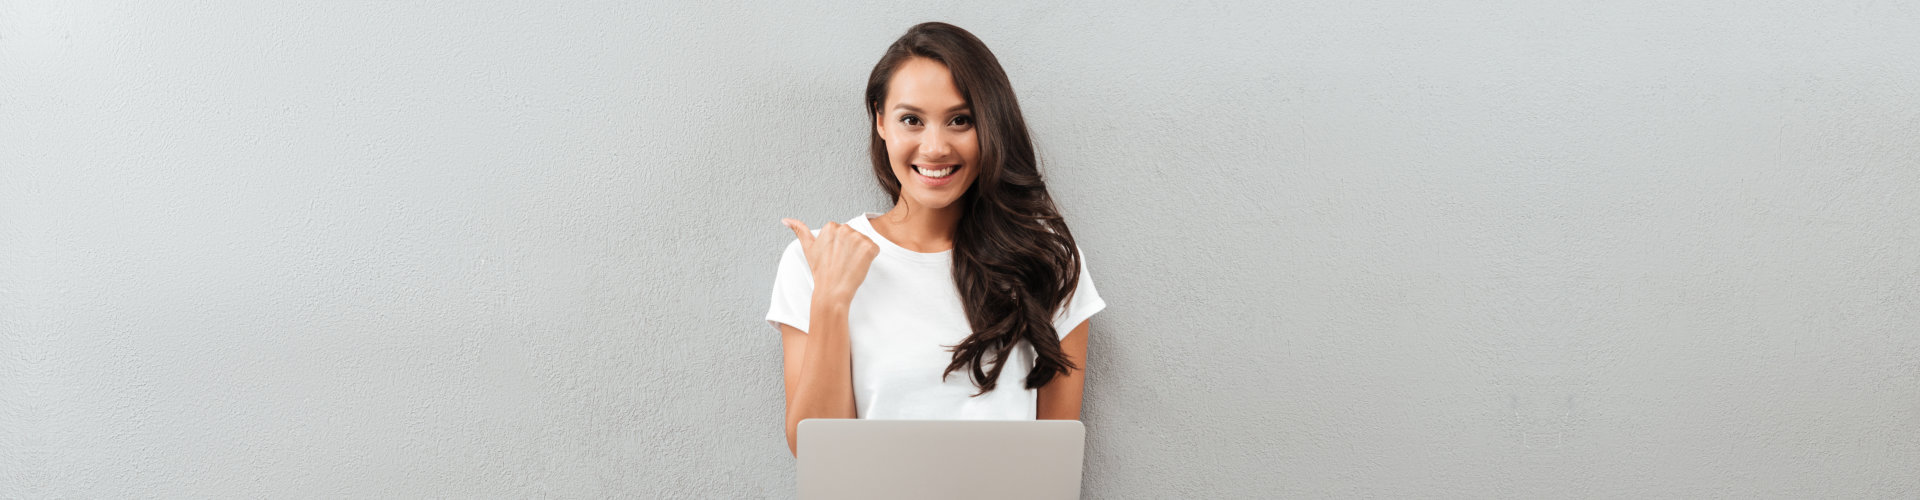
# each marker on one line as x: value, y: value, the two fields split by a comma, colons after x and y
x: 800, y: 231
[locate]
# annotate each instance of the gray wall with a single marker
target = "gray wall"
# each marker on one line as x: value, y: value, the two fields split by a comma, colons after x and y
x: 1457, y: 249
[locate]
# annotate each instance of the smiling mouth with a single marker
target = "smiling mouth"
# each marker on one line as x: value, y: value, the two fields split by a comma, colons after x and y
x: 937, y: 171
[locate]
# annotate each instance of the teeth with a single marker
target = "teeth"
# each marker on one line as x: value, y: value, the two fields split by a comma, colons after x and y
x: 934, y: 173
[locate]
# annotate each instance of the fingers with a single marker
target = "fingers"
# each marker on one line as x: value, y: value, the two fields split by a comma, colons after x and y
x: 800, y: 231
x: 831, y: 232
x: 867, y: 244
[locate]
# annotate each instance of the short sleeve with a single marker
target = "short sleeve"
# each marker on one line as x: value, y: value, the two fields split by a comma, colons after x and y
x: 1082, y: 305
x: 792, y: 289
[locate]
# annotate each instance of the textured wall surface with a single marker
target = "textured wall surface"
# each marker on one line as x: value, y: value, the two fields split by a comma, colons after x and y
x: 504, y: 249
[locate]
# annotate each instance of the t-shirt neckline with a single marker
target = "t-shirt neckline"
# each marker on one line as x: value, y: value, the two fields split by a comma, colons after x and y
x: 888, y: 246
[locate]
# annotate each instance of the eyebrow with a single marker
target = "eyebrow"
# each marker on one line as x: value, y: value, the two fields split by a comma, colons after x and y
x: 910, y: 107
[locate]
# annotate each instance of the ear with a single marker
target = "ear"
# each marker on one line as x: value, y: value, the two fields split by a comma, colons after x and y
x: 879, y: 125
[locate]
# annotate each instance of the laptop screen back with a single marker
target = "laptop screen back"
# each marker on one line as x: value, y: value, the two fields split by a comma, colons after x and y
x: 938, y: 459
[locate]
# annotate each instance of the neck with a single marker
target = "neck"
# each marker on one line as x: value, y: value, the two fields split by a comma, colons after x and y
x: 918, y: 228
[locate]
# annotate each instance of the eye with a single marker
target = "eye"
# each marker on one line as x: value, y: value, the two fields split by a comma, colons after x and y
x: 963, y: 120
x: 910, y: 120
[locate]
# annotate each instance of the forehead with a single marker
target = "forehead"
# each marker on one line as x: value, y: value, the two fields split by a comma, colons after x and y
x: 923, y: 83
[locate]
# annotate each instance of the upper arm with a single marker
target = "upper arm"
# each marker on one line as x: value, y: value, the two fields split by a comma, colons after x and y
x: 794, y: 343
x: 1060, y: 399
x: 792, y: 297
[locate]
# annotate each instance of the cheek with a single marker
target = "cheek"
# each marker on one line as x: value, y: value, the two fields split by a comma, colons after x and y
x: 898, y: 151
x: 899, y: 157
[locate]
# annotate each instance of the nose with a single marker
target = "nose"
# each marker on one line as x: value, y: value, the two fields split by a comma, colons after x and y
x: 933, y: 145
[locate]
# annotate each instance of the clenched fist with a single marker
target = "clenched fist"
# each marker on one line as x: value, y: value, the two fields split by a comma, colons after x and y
x: 839, y: 258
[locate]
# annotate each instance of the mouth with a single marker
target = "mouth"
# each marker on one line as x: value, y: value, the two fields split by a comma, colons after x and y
x: 936, y: 171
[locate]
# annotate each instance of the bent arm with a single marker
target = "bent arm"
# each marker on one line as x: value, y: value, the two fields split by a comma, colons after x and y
x: 819, y: 367
x: 1060, y: 399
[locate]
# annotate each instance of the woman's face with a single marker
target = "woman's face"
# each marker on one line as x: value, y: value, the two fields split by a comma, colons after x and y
x: 928, y: 128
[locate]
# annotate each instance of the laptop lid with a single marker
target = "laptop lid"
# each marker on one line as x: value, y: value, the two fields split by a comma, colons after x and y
x: 940, y: 459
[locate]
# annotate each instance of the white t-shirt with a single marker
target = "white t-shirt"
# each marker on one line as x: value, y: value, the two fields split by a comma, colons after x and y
x: 899, y: 320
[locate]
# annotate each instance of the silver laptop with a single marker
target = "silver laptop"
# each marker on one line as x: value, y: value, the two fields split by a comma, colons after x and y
x: 940, y: 459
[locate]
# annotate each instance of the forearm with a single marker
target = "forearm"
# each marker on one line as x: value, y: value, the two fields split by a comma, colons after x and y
x: 825, y: 388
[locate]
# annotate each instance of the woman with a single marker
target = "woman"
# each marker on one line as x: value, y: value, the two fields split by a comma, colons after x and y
x: 972, y: 265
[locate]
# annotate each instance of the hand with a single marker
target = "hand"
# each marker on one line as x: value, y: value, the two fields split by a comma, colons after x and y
x: 839, y: 258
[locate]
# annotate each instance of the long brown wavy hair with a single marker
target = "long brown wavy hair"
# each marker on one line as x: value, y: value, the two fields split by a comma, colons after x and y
x: 1014, y: 260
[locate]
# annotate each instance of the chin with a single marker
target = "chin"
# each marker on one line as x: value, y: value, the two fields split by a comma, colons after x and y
x: 934, y: 204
